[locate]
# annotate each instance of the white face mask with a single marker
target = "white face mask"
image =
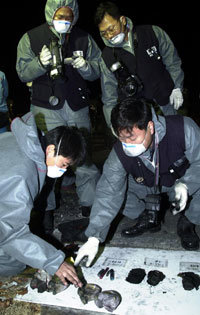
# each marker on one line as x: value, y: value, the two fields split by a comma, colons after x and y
x: 55, y: 171
x: 133, y: 150
x: 117, y: 39
x: 61, y: 26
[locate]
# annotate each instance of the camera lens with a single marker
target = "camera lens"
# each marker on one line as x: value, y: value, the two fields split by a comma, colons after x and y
x: 53, y: 100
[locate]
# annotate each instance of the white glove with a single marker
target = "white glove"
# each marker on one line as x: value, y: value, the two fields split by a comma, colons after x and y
x: 181, y: 195
x: 90, y: 249
x: 45, y: 56
x: 176, y: 98
x: 79, y: 63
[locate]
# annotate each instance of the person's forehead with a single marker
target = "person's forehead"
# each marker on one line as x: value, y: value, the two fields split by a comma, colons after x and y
x: 134, y: 132
x: 64, y: 159
x: 66, y: 11
x: 107, y: 21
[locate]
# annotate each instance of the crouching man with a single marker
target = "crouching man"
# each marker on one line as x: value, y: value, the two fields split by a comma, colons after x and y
x: 25, y: 160
x: 154, y: 155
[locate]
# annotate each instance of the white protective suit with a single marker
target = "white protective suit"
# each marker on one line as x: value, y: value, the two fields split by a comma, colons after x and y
x: 111, y: 188
x: 22, y: 175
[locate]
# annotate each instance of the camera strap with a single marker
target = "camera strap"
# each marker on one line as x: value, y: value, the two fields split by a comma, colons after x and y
x: 157, y: 164
x: 133, y: 60
x: 157, y: 187
x: 115, y: 54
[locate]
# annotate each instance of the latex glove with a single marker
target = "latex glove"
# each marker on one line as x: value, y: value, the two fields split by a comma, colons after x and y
x: 176, y: 98
x: 90, y: 249
x: 45, y: 56
x: 79, y: 63
x: 181, y: 197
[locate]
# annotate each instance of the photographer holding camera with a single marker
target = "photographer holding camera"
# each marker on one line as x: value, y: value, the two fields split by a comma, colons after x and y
x: 146, y: 52
x: 58, y: 57
x: 154, y: 156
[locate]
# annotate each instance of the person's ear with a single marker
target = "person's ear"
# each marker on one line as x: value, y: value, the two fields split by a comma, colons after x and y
x: 151, y: 127
x: 123, y: 20
x: 50, y: 150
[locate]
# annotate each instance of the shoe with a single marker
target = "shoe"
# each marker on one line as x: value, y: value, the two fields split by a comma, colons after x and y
x: 48, y: 222
x: 147, y: 221
x: 186, y: 231
x: 85, y: 211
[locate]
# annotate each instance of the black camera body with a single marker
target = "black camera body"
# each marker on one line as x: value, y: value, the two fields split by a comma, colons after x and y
x: 57, y: 70
x: 152, y: 202
x: 152, y: 206
x: 129, y: 84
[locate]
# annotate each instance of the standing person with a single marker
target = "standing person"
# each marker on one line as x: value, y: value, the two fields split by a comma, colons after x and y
x: 3, y: 102
x: 157, y: 155
x: 58, y: 57
x: 25, y: 159
x: 150, y: 65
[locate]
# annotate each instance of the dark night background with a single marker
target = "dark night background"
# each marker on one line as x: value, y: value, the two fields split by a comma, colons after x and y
x: 179, y: 21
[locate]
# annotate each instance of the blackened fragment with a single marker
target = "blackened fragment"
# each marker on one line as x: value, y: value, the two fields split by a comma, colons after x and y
x: 136, y: 275
x: 190, y: 280
x: 154, y: 277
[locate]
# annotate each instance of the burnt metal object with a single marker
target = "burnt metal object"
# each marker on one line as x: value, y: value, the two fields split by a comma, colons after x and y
x: 109, y: 299
x: 88, y: 292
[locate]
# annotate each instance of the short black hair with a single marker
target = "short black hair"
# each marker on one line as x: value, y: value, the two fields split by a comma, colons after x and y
x: 72, y: 146
x: 106, y: 7
x: 131, y: 113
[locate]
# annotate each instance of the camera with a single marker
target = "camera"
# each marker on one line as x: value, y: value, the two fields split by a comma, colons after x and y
x: 152, y: 202
x: 152, y: 205
x: 56, y: 71
x: 129, y: 84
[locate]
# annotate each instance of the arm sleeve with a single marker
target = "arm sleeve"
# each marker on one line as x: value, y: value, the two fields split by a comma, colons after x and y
x: 109, y: 91
x: 27, y: 64
x: 16, y: 239
x: 192, y: 151
x: 3, y: 88
x: 109, y: 197
x: 92, y: 59
x: 170, y: 56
